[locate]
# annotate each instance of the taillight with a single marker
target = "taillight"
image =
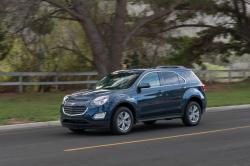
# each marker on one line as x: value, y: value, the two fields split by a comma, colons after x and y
x: 203, y: 87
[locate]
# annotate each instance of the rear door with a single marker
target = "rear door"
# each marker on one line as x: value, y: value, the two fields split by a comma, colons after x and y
x: 173, y: 92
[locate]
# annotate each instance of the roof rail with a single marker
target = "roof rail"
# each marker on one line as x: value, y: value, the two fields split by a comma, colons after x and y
x: 165, y: 67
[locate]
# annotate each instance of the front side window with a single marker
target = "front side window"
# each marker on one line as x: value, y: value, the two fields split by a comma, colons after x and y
x: 118, y: 80
x: 152, y: 79
x: 170, y: 78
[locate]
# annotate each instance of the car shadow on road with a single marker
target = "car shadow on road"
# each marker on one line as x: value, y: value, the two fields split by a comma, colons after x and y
x: 165, y: 125
x: 139, y: 128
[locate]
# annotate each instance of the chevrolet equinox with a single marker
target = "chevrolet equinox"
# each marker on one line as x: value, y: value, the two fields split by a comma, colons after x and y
x: 124, y: 98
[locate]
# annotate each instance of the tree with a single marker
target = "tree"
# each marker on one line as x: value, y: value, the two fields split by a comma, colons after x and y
x: 5, y: 44
x: 228, y: 34
x: 110, y: 34
x: 5, y: 40
x: 107, y: 53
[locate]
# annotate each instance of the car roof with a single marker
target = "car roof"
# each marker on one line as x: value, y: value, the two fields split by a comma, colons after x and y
x: 159, y: 68
x: 165, y: 68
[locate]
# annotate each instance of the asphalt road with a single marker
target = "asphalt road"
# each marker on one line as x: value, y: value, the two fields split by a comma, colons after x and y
x: 222, y: 139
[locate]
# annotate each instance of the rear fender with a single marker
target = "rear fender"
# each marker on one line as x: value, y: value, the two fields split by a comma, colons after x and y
x: 192, y: 93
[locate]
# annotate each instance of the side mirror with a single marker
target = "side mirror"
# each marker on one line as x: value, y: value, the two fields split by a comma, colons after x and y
x: 143, y: 86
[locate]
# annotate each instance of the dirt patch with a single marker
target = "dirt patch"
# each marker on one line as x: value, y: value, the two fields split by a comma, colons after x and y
x: 215, y: 87
x: 16, y: 121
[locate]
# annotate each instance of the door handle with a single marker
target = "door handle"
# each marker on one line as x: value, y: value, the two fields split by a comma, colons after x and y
x: 160, y: 93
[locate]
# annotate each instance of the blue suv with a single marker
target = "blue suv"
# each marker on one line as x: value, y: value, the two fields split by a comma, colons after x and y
x: 124, y: 98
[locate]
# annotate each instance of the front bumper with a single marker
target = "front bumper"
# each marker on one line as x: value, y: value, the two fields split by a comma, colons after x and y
x: 83, y: 124
x: 86, y: 120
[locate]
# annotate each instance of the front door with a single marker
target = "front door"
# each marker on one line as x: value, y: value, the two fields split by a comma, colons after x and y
x: 150, y: 100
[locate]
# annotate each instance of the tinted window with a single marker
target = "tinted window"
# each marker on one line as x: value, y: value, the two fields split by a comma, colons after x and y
x: 190, y: 77
x: 170, y: 78
x: 181, y: 80
x: 152, y: 79
x: 120, y: 80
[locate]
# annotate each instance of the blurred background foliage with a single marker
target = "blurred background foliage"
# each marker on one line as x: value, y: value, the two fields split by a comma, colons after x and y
x: 37, y: 36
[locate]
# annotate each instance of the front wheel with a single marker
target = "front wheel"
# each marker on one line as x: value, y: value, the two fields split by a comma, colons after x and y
x: 122, y: 121
x: 192, y: 115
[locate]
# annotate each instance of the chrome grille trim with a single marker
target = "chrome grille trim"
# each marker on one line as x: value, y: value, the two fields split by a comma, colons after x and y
x: 77, y: 109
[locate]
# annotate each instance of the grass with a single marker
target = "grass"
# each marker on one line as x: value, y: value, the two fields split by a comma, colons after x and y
x: 18, y: 108
x: 229, y: 94
x: 37, y: 107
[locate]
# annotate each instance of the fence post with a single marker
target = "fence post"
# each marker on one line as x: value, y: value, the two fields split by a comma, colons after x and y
x: 230, y: 76
x: 244, y: 74
x: 203, y: 73
x: 209, y: 76
x: 20, y: 80
x: 56, y: 80
x: 88, y: 78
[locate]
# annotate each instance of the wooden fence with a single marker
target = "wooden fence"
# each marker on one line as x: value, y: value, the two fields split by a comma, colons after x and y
x: 222, y: 75
x: 90, y: 77
x: 20, y: 83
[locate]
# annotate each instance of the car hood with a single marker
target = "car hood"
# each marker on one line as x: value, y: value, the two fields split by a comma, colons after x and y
x: 89, y: 95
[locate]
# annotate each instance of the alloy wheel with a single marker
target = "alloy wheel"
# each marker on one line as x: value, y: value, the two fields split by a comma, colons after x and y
x: 124, y: 121
x: 194, y: 114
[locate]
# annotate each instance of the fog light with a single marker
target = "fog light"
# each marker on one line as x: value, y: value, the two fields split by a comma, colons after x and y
x: 99, y: 115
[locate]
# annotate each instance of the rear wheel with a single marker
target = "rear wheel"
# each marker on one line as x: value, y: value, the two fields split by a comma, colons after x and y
x: 151, y: 122
x: 192, y: 115
x: 122, y: 121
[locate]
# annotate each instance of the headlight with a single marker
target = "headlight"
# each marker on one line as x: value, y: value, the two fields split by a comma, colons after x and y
x: 65, y: 99
x: 100, y: 100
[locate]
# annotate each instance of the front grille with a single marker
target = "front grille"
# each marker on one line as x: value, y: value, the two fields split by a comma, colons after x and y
x: 74, y: 110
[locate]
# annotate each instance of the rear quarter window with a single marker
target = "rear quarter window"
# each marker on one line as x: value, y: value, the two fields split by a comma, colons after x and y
x: 181, y: 80
x: 190, y: 77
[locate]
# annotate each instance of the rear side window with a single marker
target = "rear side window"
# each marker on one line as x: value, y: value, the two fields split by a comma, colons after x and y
x: 190, y: 77
x: 170, y: 78
x: 152, y: 79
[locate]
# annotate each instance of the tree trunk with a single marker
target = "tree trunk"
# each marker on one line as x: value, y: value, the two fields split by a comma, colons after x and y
x: 107, y: 57
x: 118, y: 35
x: 106, y: 60
x: 98, y: 48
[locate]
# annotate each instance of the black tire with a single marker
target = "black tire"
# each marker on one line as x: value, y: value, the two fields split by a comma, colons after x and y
x: 77, y: 131
x: 190, y: 119
x: 114, y: 126
x: 151, y: 122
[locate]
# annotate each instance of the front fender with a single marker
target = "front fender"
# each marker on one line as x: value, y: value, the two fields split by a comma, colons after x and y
x: 122, y: 99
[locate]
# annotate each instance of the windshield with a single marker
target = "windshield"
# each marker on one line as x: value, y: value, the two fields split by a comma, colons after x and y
x: 121, y: 80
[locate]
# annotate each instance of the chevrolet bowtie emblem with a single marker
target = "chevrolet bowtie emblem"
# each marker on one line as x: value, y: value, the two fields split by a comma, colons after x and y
x: 71, y: 104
